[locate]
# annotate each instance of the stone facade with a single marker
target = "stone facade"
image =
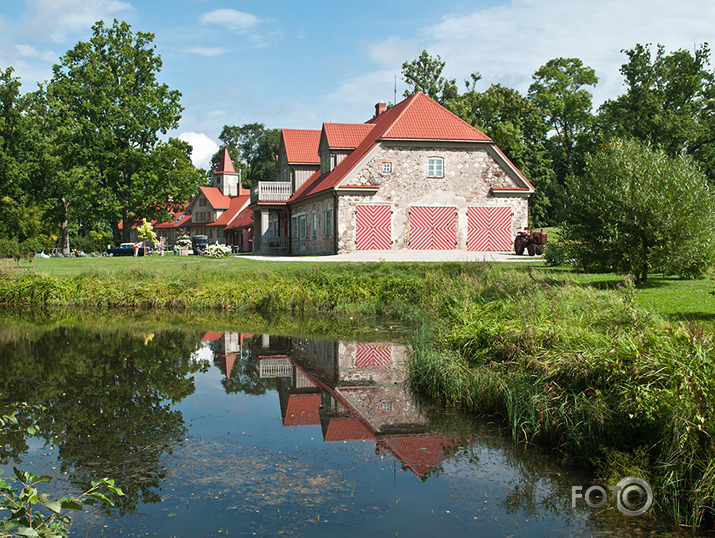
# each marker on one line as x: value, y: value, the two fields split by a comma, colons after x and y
x: 319, y: 233
x: 469, y: 174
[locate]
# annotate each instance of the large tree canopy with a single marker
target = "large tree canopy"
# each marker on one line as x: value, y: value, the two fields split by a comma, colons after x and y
x: 669, y: 103
x: 516, y: 126
x: 639, y: 210
x: 109, y: 87
x: 560, y: 91
x: 253, y: 149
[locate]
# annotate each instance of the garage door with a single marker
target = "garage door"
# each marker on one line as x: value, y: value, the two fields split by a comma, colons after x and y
x: 433, y: 228
x: 489, y: 228
x: 373, y: 230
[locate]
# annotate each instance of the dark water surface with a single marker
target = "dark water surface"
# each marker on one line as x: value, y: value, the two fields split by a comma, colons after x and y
x: 230, y: 432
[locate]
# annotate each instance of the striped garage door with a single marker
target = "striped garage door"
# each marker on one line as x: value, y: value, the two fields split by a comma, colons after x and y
x: 433, y: 228
x: 489, y: 228
x: 373, y: 229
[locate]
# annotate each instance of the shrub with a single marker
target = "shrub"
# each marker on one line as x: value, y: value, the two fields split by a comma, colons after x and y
x: 217, y: 251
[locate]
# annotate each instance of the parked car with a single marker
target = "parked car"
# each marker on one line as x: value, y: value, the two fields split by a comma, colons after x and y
x: 125, y: 249
x: 199, y: 244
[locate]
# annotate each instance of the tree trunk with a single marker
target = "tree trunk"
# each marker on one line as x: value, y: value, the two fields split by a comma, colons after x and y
x: 64, y: 238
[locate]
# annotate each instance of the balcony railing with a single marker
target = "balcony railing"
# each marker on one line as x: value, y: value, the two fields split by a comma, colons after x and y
x: 270, y: 191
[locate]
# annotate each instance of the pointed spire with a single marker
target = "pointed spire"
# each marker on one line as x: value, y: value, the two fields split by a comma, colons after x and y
x: 225, y: 166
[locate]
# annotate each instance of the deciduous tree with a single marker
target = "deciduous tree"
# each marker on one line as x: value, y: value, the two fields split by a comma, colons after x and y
x: 638, y: 210
x: 109, y: 86
x: 424, y: 74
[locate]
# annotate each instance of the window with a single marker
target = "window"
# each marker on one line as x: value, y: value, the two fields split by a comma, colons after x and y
x: 315, y: 224
x: 202, y: 201
x: 435, y: 167
x: 387, y: 167
x: 328, y: 216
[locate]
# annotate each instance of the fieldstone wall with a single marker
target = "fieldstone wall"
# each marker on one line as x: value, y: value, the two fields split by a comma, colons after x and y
x: 469, y: 174
x: 317, y: 241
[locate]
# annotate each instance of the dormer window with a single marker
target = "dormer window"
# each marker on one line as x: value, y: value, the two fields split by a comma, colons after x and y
x: 386, y: 167
x: 435, y: 167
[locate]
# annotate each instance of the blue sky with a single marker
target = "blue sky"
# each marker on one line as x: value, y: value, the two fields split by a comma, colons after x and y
x: 287, y: 63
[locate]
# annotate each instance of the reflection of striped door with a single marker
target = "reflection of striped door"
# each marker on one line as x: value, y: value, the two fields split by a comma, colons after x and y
x: 373, y: 230
x: 489, y: 228
x: 372, y: 356
x: 433, y: 228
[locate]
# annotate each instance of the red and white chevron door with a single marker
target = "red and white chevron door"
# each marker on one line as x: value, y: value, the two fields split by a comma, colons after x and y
x: 373, y: 229
x: 489, y: 228
x: 433, y: 228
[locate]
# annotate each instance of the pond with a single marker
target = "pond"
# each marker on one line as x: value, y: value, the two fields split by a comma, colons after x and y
x: 236, y: 431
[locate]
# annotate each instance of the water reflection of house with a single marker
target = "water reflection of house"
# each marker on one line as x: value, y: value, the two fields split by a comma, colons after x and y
x: 227, y: 347
x: 354, y: 391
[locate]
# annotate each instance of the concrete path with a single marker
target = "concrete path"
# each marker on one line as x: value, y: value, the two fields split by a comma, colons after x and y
x: 406, y: 256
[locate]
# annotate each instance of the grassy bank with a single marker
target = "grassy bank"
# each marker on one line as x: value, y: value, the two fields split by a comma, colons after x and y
x: 585, y: 364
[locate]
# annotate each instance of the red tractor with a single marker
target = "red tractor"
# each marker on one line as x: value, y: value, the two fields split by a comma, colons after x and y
x: 533, y: 242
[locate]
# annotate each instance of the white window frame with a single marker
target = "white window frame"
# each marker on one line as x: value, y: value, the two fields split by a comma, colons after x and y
x: 435, y: 167
x: 386, y: 167
x: 315, y: 224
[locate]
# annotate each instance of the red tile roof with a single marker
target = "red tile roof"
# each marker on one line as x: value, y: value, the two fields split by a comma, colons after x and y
x: 416, y: 118
x: 226, y: 165
x: 346, y: 135
x: 301, y: 145
x: 236, y: 205
x: 215, y: 197
x: 243, y: 219
x: 302, y: 410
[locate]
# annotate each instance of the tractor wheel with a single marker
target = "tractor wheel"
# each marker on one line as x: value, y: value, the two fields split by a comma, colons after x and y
x: 539, y: 250
x: 519, y: 245
x: 531, y: 249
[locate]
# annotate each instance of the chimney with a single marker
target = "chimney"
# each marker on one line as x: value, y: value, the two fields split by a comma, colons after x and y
x: 380, y: 108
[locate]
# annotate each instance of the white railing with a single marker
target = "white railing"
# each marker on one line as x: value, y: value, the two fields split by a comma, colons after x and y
x: 275, y: 367
x: 271, y: 191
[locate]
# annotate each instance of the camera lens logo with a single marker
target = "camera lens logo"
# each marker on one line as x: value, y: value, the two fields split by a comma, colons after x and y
x: 634, y: 496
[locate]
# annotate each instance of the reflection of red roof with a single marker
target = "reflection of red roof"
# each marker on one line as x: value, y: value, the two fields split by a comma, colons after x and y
x: 421, y: 453
x: 228, y: 362
x: 301, y: 145
x: 303, y: 410
x: 347, y: 429
x: 211, y: 336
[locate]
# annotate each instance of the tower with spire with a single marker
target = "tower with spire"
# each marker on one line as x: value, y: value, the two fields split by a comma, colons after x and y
x: 226, y: 179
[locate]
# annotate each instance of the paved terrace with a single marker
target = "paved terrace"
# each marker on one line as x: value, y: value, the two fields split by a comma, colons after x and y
x: 407, y: 256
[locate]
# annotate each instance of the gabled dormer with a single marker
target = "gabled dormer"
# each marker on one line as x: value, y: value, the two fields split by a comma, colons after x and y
x: 338, y: 140
x: 297, y: 156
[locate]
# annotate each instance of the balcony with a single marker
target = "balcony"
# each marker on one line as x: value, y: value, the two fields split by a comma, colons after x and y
x: 271, y: 192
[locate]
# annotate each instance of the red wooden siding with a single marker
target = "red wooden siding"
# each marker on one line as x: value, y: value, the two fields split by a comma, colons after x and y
x: 373, y: 229
x: 489, y: 228
x: 433, y: 228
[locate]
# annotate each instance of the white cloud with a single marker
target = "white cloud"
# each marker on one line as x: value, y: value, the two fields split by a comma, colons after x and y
x: 207, y: 51
x: 508, y: 43
x: 203, y: 148
x: 28, y: 51
x: 393, y: 51
x: 55, y: 18
x: 231, y: 19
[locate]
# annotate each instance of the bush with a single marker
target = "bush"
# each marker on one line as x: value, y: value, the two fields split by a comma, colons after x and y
x: 217, y: 251
x: 9, y: 248
x: 555, y: 253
